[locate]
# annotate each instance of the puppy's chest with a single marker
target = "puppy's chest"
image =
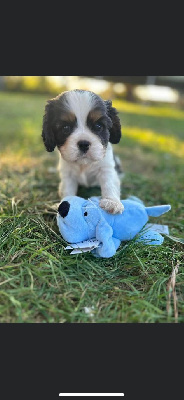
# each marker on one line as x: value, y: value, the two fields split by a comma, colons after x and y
x: 86, y: 175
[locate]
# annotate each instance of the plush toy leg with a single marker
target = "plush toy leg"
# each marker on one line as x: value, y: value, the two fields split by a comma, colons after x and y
x: 150, y: 237
x: 109, y: 244
x: 108, y: 250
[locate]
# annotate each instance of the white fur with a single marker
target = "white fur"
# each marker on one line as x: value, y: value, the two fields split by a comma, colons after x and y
x: 71, y: 153
x: 80, y: 106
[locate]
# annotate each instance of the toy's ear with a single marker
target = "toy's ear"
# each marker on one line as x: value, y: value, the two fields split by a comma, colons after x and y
x: 115, y: 130
x: 47, y: 132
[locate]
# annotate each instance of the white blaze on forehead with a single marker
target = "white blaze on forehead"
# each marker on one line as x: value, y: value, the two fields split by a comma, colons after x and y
x: 80, y: 103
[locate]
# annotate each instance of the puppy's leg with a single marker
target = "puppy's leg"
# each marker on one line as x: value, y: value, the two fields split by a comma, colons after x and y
x: 68, y: 186
x: 110, y: 188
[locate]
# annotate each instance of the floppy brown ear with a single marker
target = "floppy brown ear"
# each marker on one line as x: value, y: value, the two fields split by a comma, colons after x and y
x: 47, y: 132
x: 115, y: 130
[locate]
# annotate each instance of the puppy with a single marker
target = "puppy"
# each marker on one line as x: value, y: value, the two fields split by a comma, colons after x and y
x: 83, y: 126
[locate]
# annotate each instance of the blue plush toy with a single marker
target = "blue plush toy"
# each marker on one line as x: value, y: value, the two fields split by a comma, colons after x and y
x: 80, y: 220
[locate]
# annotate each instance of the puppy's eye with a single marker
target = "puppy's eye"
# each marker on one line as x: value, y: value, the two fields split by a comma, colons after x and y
x: 85, y: 214
x: 98, y: 126
x: 66, y: 128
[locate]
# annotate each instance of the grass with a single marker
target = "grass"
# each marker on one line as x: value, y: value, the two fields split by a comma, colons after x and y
x: 39, y: 280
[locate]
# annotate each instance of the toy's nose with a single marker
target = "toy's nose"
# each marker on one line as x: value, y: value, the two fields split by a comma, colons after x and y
x: 64, y: 208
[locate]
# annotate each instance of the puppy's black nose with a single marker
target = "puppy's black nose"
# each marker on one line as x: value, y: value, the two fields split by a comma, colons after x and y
x: 83, y: 145
x: 64, y: 208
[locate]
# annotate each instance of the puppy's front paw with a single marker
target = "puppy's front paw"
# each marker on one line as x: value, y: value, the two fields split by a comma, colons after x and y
x: 112, y: 206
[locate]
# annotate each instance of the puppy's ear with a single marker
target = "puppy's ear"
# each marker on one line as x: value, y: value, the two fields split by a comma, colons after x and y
x: 47, y: 132
x: 115, y: 130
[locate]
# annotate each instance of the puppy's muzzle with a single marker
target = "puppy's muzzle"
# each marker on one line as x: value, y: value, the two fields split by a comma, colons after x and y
x: 63, y: 208
x: 83, y: 146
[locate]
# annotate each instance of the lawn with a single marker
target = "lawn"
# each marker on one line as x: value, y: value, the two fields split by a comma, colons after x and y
x: 39, y: 280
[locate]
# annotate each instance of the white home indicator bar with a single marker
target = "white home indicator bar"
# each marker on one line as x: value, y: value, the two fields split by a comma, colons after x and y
x: 91, y: 394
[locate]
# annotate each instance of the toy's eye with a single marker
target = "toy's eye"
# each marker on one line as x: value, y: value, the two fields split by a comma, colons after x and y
x: 85, y: 214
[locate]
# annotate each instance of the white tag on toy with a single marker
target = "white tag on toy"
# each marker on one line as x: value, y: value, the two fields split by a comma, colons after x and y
x: 159, y: 228
x: 83, y: 247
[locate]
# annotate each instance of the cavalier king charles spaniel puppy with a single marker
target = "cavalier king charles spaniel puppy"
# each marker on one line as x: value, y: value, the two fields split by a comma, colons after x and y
x: 82, y: 125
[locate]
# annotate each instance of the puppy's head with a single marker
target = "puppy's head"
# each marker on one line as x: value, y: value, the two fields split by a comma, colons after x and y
x: 80, y: 124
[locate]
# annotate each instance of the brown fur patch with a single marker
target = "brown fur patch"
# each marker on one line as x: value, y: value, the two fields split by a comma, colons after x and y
x: 95, y: 114
x: 68, y: 116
